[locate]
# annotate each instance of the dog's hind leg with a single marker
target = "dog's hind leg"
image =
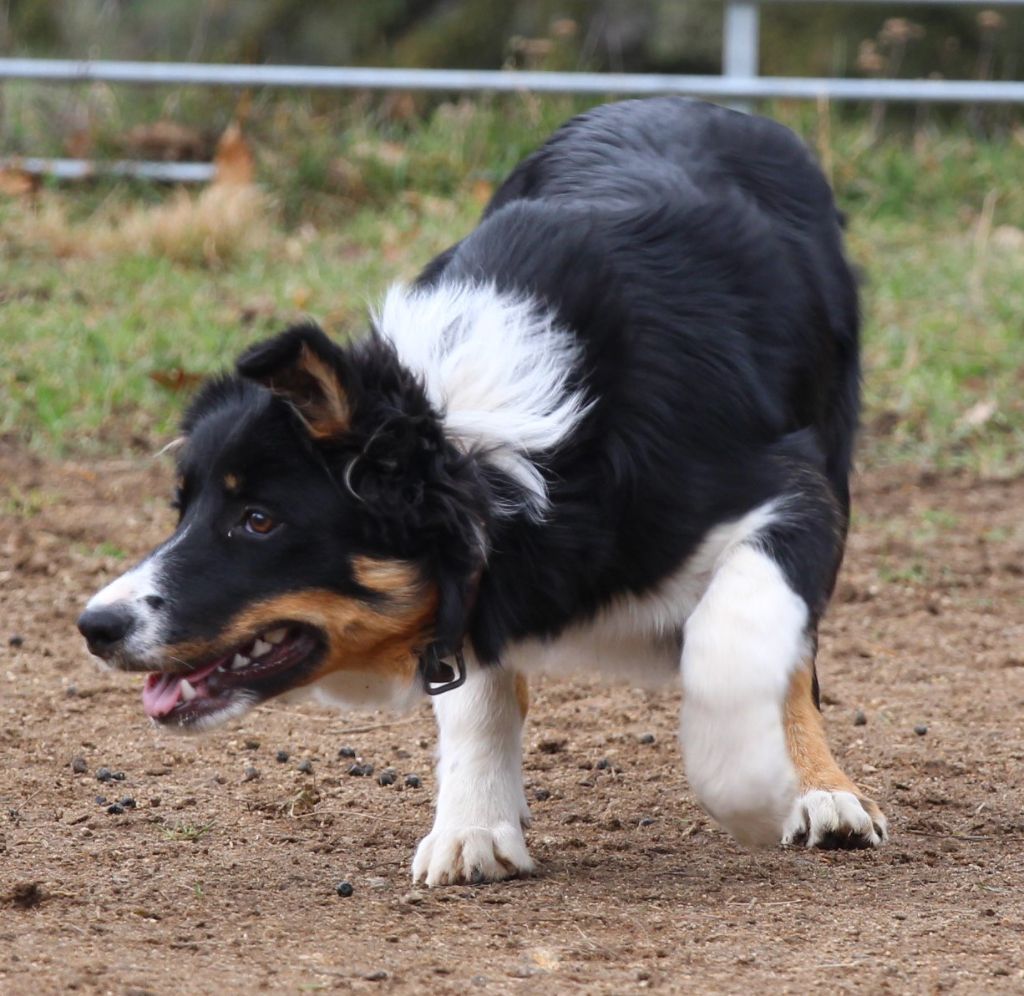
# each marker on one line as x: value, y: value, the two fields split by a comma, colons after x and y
x: 755, y: 747
x: 481, y: 807
x: 830, y: 811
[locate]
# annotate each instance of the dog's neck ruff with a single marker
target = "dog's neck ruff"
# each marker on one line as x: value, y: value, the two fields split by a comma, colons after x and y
x: 498, y: 368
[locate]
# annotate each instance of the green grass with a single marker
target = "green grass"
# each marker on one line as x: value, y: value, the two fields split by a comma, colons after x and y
x: 89, y: 331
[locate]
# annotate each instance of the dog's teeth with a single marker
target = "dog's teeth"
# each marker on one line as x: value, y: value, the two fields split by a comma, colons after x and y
x: 188, y: 693
x: 240, y: 662
x: 276, y: 636
x: 259, y: 648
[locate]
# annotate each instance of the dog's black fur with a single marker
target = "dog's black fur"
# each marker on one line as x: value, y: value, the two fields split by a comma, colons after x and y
x: 697, y: 254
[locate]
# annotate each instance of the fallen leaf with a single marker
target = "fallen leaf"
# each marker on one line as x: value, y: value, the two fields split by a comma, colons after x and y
x: 399, y: 105
x: 79, y: 144
x: 167, y: 141
x: 978, y: 414
x: 481, y: 191
x: 16, y: 182
x: 176, y: 379
x: 234, y: 158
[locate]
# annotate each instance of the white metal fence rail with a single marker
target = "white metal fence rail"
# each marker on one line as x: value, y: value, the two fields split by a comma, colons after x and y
x: 739, y: 83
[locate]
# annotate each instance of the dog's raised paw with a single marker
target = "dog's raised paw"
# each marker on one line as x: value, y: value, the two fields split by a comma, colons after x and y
x: 466, y: 855
x: 834, y: 820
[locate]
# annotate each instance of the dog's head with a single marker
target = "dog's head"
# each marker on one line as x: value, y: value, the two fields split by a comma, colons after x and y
x: 328, y: 532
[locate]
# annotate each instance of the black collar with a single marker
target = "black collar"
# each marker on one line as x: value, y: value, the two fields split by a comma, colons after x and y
x: 440, y: 671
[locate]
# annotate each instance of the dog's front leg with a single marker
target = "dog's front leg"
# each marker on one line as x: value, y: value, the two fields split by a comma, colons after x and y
x: 481, y: 807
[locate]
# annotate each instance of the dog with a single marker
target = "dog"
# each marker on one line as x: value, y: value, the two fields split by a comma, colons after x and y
x: 609, y: 430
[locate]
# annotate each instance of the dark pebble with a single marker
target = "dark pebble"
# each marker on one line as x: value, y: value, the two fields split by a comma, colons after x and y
x: 646, y: 821
x: 106, y: 775
x: 603, y: 764
x: 860, y: 718
x: 101, y: 800
x: 361, y: 770
x: 542, y: 795
x: 306, y: 767
x: 347, y: 752
x: 252, y: 744
x: 344, y: 889
x: 387, y: 777
x: 647, y: 738
x: 115, y: 809
x: 16, y: 641
x: 71, y: 691
x: 412, y: 781
x: 128, y: 802
x: 282, y: 757
x: 251, y: 774
x: 376, y: 976
x: 920, y: 729
x: 78, y: 765
x: 551, y: 746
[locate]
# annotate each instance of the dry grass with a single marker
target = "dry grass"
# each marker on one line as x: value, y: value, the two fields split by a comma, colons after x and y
x: 211, y: 228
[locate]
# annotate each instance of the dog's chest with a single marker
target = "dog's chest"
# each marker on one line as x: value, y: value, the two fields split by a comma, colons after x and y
x: 637, y: 638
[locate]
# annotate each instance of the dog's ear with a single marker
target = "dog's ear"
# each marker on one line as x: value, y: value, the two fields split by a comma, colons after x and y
x: 305, y: 368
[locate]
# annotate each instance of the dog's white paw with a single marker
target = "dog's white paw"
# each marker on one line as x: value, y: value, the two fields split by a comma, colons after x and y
x: 834, y: 820
x: 452, y: 855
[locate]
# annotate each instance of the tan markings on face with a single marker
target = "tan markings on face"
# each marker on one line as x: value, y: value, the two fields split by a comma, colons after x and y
x: 808, y: 747
x: 232, y: 483
x: 361, y: 635
x: 522, y: 695
x: 397, y: 579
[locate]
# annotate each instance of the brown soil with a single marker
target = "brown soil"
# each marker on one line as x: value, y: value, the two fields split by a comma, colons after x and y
x: 214, y: 883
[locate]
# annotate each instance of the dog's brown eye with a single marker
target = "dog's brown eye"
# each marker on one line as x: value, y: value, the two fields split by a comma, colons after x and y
x: 255, y: 521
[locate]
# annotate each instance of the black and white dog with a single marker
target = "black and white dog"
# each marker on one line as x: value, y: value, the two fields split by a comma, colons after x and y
x: 611, y: 430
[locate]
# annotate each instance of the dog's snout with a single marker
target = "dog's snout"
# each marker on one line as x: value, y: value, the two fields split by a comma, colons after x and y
x: 105, y: 628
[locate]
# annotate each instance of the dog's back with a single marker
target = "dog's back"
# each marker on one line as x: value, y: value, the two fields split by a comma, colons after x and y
x: 696, y: 254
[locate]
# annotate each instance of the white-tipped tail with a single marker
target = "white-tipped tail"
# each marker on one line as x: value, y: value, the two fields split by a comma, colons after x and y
x: 497, y: 367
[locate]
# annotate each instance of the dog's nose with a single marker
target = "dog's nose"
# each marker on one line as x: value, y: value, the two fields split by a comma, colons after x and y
x: 105, y: 628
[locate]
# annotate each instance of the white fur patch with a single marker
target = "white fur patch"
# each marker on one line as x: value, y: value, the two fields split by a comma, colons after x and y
x: 637, y: 638
x: 131, y: 590
x: 742, y: 645
x: 481, y: 807
x: 356, y: 689
x: 497, y: 368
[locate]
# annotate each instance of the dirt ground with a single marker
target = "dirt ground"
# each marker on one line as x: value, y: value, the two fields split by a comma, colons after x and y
x: 222, y: 876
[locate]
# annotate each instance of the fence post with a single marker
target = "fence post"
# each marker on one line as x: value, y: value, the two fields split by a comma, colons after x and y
x: 740, y: 43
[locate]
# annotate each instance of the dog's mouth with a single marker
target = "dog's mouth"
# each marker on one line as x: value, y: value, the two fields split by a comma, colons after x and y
x: 272, y: 662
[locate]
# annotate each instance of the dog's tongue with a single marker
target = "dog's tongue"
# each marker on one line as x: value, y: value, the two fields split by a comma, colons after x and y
x: 162, y: 692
